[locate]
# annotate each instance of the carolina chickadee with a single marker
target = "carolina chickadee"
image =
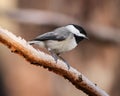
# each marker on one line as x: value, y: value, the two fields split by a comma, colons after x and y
x: 61, y: 40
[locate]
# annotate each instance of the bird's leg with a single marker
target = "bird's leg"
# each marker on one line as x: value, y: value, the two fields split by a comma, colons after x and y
x: 64, y: 61
x: 57, y: 56
x: 53, y: 55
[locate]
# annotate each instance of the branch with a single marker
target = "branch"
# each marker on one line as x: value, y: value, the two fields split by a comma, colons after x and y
x: 105, y: 33
x: 40, y: 17
x: 21, y: 47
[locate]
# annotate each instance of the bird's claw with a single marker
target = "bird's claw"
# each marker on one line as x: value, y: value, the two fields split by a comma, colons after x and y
x: 65, y: 62
x: 56, y: 57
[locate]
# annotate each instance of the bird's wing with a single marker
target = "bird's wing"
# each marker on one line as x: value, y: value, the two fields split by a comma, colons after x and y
x: 58, y: 34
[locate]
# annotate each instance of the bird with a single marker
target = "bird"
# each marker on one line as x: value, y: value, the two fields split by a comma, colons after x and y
x: 60, y: 40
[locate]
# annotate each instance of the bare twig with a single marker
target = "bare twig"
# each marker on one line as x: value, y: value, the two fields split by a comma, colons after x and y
x: 21, y: 47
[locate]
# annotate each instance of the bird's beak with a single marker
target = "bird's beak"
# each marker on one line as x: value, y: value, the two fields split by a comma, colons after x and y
x: 86, y: 38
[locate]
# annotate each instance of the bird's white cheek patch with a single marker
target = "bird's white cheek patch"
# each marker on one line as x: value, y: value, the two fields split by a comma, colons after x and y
x: 75, y: 31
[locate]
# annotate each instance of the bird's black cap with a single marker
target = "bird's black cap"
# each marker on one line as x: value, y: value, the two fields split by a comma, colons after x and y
x: 80, y: 29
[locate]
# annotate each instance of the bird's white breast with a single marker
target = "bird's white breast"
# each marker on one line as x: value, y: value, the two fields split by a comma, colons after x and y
x: 62, y: 46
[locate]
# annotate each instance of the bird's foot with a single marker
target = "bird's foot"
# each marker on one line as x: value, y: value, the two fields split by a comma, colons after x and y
x: 65, y: 62
x: 57, y: 56
x: 54, y: 55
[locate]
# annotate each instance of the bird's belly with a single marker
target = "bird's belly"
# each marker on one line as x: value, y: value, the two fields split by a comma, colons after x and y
x: 61, y: 46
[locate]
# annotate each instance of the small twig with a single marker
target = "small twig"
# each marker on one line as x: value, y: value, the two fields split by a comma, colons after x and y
x: 21, y: 47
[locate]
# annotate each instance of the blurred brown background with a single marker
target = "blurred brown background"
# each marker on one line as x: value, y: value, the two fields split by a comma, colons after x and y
x: 97, y: 58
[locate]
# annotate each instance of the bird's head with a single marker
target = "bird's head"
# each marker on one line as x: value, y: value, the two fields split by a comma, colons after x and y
x: 78, y: 32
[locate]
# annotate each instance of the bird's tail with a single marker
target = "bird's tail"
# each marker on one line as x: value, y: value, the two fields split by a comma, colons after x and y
x: 39, y: 43
x: 32, y: 42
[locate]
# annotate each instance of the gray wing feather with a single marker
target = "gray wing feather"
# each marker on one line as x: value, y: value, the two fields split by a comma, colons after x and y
x: 58, y: 34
